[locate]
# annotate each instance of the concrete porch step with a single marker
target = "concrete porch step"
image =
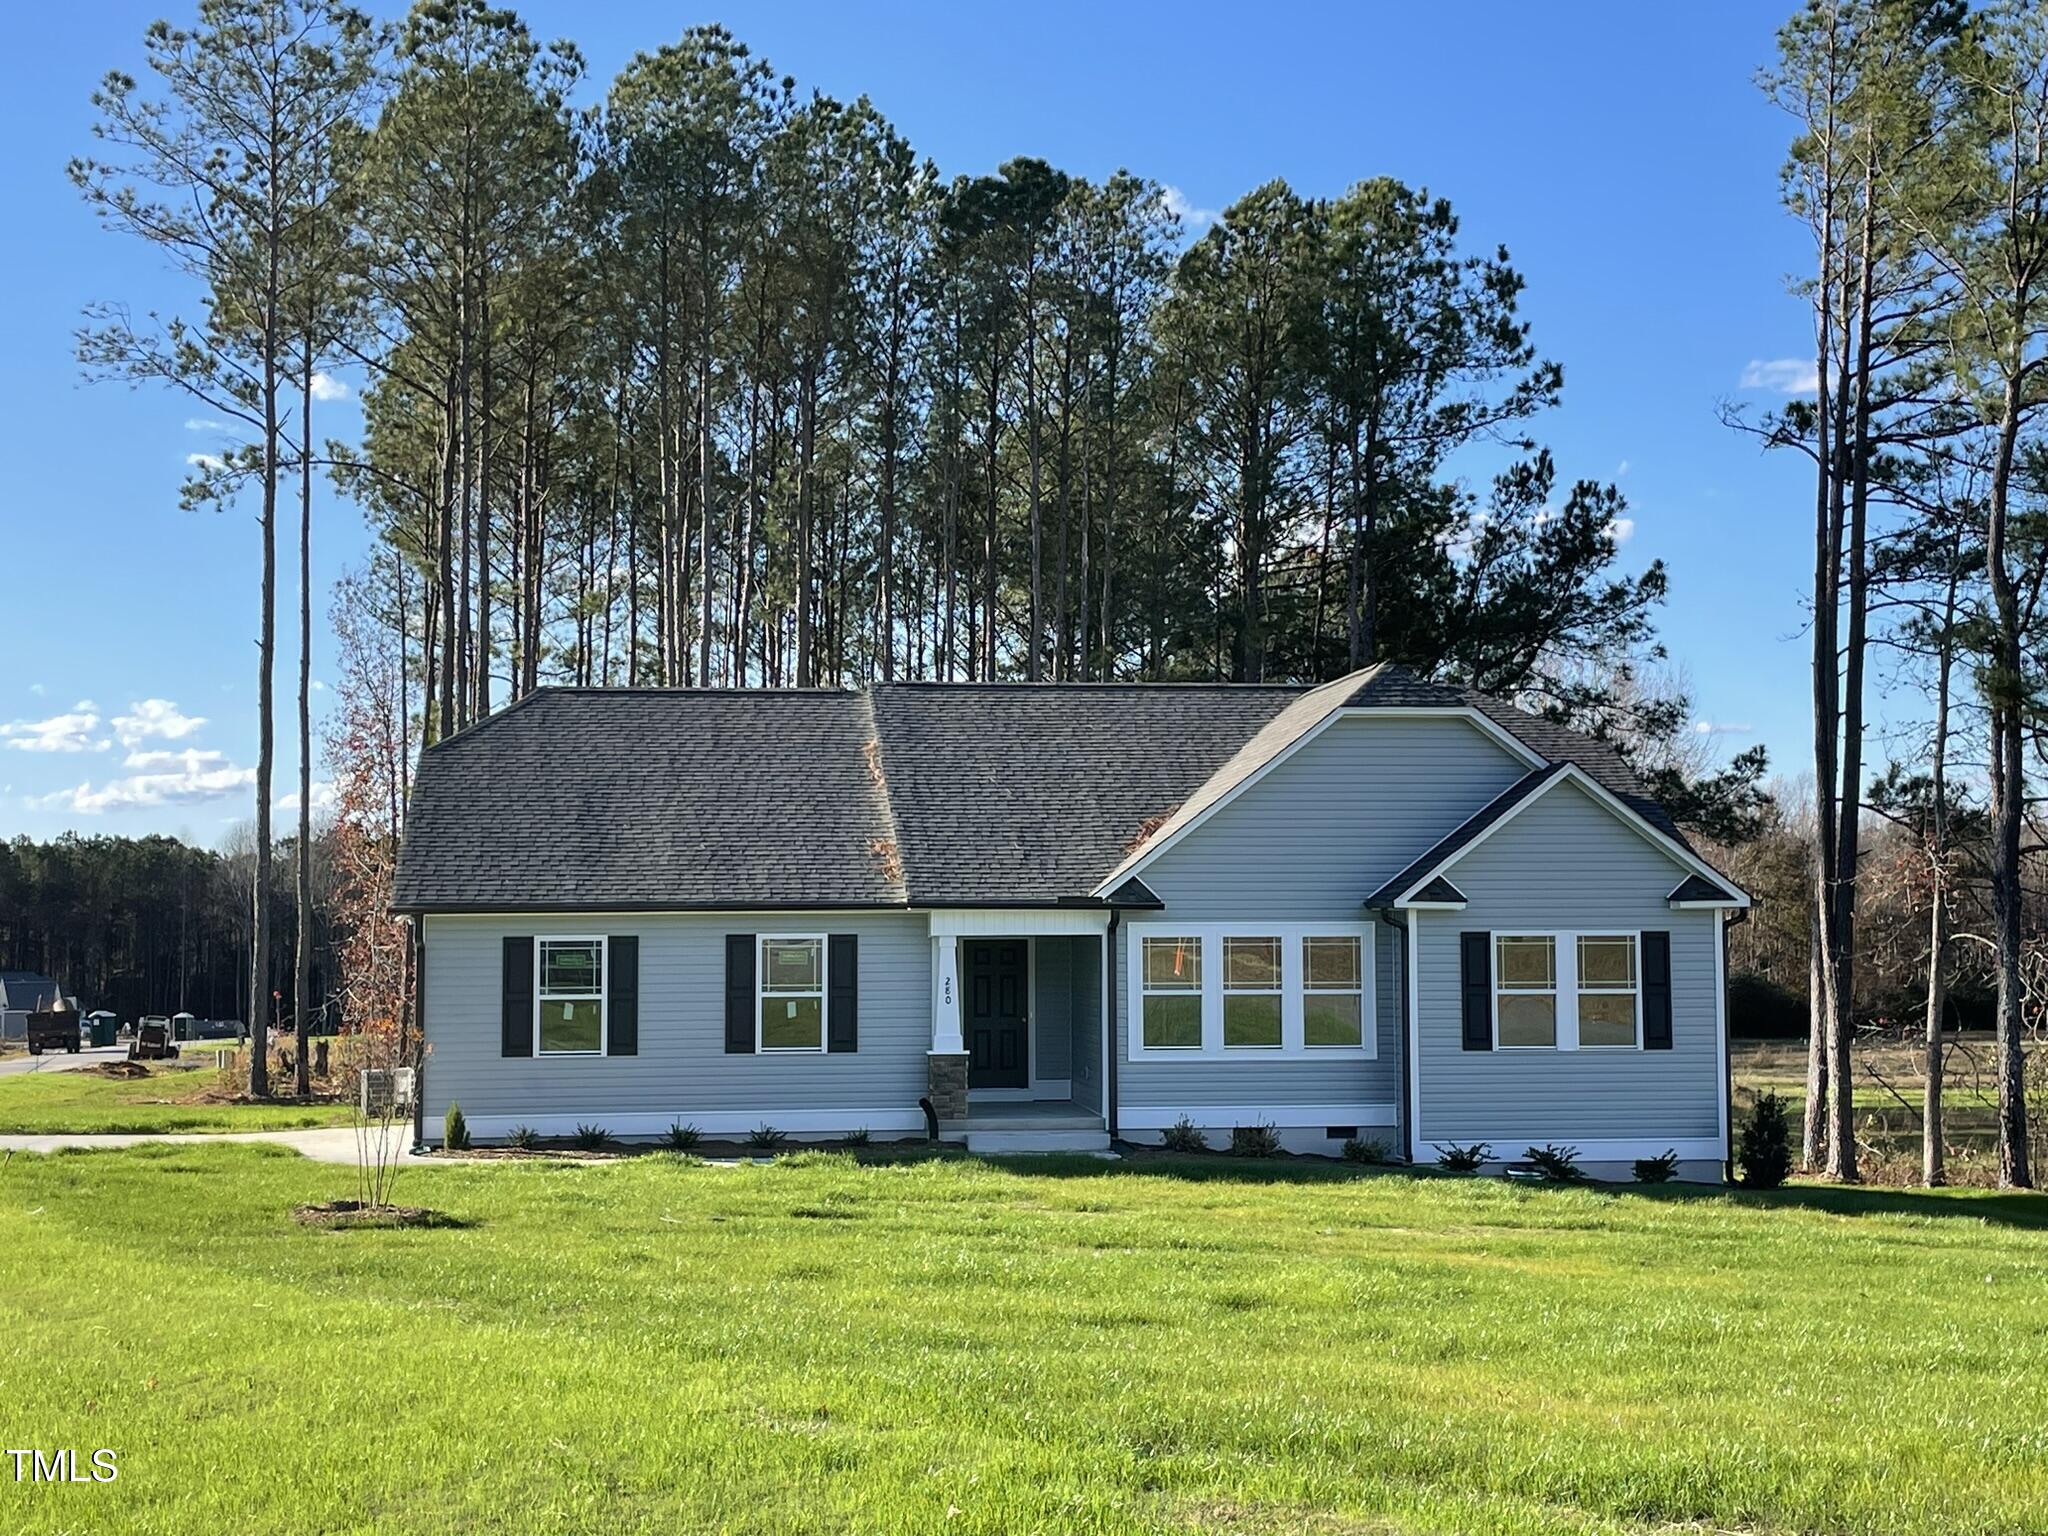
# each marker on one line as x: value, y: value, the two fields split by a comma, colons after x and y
x: 1039, y: 1138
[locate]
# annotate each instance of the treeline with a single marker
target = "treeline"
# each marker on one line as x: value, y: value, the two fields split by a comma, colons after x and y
x: 717, y: 383
x: 140, y: 925
x: 1919, y: 166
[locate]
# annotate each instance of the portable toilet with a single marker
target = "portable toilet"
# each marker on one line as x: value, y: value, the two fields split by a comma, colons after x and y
x: 105, y: 1027
x: 181, y: 1026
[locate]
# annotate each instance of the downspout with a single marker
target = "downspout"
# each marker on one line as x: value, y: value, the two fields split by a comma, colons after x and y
x: 1109, y: 1025
x: 418, y: 939
x: 1730, y: 917
x: 1407, y: 1095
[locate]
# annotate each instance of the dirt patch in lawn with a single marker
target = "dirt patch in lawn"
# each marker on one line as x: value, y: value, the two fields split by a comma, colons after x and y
x: 123, y: 1069
x: 347, y: 1215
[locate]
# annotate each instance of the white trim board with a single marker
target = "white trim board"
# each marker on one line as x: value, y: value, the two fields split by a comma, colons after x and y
x: 1601, y: 796
x: 1153, y: 1117
x: 1015, y: 922
x: 1510, y: 1149
x: 711, y: 1122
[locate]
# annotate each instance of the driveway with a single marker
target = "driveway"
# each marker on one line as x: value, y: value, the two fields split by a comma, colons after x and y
x: 328, y: 1144
x: 59, y: 1061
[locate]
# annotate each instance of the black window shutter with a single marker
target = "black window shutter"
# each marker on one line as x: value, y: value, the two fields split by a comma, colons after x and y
x: 1657, y: 991
x: 739, y: 994
x: 1475, y: 967
x: 842, y: 998
x: 517, y: 1019
x: 622, y: 996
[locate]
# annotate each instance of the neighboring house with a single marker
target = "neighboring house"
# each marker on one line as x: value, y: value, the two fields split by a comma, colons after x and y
x: 1380, y: 908
x: 21, y: 994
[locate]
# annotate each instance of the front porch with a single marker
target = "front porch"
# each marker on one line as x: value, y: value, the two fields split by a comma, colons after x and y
x: 1018, y: 1054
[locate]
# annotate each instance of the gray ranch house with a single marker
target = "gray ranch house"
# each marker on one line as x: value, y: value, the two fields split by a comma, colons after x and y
x: 1048, y: 916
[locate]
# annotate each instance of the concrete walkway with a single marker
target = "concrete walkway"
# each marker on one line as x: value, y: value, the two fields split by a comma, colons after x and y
x: 327, y: 1144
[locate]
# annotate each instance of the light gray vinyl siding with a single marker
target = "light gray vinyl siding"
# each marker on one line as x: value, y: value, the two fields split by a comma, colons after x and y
x: 1052, y: 1016
x: 682, y: 1068
x: 1085, y: 1067
x: 1311, y: 840
x: 1567, y: 863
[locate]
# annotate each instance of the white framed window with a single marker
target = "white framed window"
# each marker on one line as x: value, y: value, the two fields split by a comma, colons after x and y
x: 1332, y: 991
x: 1170, y: 991
x: 1252, y: 993
x: 1569, y: 990
x: 1609, y: 991
x: 1524, y: 990
x: 789, y: 992
x: 1220, y: 991
x: 569, y: 996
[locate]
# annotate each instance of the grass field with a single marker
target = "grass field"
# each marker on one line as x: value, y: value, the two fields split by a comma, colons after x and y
x: 169, y: 1099
x: 1890, y: 1071
x: 651, y: 1345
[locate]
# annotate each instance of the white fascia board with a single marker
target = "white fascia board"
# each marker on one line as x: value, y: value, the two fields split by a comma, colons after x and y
x: 1620, y: 809
x: 1016, y: 922
x: 1170, y: 834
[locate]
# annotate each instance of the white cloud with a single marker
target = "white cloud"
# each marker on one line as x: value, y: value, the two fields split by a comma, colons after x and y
x: 155, y: 717
x: 323, y: 798
x: 170, y: 778
x: 1785, y: 375
x: 204, y: 424
x: 1621, y: 469
x: 327, y: 387
x: 69, y: 732
x: 1621, y: 530
x: 1721, y: 728
x: 37, y: 689
x: 207, y: 461
x: 1177, y: 203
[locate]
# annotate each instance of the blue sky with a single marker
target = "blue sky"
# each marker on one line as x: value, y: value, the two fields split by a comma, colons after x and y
x: 1622, y: 152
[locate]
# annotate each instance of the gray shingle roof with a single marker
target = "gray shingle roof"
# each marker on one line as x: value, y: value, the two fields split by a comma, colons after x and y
x: 1696, y: 888
x: 1015, y: 794
x: 624, y: 799
x: 920, y: 794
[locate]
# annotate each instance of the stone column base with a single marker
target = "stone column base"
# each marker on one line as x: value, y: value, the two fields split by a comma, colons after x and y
x: 948, y: 1080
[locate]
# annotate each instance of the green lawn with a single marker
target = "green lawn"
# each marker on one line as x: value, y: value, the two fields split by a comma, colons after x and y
x: 43, y: 1102
x: 650, y: 1345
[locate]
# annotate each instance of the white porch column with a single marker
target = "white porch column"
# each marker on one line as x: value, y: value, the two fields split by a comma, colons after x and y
x: 946, y: 1037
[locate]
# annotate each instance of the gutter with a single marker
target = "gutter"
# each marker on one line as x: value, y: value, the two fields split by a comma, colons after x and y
x: 1408, y: 1097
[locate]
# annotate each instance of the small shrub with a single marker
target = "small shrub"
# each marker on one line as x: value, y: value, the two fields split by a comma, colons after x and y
x: 591, y: 1138
x: 859, y: 1138
x: 1184, y: 1136
x: 681, y: 1137
x: 524, y: 1137
x: 1558, y: 1165
x: 1453, y: 1158
x: 455, y: 1130
x: 1764, y: 1153
x: 765, y: 1137
x: 1657, y: 1170
x: 1359, y: 1150
x: 1255, y: 1140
